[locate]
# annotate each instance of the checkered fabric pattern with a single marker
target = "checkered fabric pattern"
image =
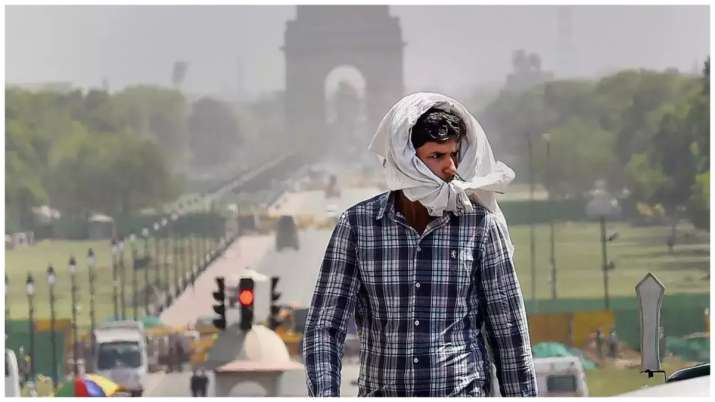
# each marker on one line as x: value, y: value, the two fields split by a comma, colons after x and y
x: 419, y: 302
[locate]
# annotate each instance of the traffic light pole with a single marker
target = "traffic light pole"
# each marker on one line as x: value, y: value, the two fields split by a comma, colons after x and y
x: 220, y: 308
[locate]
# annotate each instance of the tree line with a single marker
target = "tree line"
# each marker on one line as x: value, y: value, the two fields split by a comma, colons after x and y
x: 84, y: 152
x: 645, y: 132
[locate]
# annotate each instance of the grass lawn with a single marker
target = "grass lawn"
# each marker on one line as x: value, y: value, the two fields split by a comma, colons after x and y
x: 35, y: 259
x: 637, y: 251
x: 610, y: 380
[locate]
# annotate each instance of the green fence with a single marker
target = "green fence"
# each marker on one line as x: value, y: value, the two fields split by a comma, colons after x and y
x: 681, y: 314
x: 18, y: 334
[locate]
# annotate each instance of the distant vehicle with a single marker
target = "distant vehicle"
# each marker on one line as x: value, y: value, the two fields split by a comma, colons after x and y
x: 286, y: 233
x: 560, y: 376
x: 12, y: 374
x: 120, y: 354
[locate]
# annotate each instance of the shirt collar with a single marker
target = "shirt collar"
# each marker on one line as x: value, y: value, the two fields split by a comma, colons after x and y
x: 385, y: 203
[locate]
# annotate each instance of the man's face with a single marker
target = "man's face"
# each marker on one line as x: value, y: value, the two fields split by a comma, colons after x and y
x: 440, y: 157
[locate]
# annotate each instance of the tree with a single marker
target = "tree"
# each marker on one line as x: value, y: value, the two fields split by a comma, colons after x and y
x: 214, y: 132
x: 581, y: 153
x: 112, y: 175
x: 156, y: 113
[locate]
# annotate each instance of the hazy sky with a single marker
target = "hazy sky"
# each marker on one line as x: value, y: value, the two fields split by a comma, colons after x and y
x: 452, y: 48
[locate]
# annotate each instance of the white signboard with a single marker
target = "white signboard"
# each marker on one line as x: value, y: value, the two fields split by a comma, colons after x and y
x: 650, y: 294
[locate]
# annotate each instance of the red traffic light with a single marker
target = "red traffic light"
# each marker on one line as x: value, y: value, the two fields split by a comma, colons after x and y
x: 245, y: 297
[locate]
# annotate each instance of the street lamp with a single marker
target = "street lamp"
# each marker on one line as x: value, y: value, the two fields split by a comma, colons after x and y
x: 115, y: 281
x: 7, y: 300
x: 603, y: 206
x: 175, y: 251
x: 157, y: 254
x: 532, y: 229
x: 30, y: 288
x: 91, y: 263
x: 145, y: 234
x: 192, y: 256
x: 549, y: 178
x: 133, y: 249
x: 75, y: 349
x: 51, y: 279
x: 122, y: 279
x: 167, y: 279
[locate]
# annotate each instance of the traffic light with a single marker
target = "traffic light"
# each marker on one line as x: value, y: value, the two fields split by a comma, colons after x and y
x: 245, y: 299
x: 273, y: 320
x: 220, y: 308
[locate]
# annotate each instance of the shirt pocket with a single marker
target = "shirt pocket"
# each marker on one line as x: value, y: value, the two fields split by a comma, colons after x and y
x: 461, y: 260
x: 461, y: 264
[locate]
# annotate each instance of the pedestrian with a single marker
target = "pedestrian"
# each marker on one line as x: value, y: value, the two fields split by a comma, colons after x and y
x: 23, y: 365
x: 425, y: 268
x: 203, y: 382
x: 599, y: 342
x: 194, y: 383
x: 179, y: 353
x: 612, y: 344
x: 171, y: 358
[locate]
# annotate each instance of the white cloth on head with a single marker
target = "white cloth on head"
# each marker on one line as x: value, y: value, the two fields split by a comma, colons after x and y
x: 405, y: 171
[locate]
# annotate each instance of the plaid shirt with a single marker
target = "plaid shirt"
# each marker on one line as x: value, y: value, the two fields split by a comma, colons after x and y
x: 419, y: 303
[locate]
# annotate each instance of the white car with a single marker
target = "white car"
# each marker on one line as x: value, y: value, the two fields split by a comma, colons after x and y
x: 560, y: 376
x: 12, y: 374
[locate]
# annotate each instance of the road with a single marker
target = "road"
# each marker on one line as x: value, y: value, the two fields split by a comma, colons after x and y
x: 196, y: 301
x: 298, y: 270
x: 293, y: 384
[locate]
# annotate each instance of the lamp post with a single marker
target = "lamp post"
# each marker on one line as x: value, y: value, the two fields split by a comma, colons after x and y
x: 115, y: 281
x: 157, y: 254
x: 122, y: 280
x: 145, y: 234
x: 532, y: 232
x: 552, y: 240
x: 175, y: 251
x: 75, y: 349
x: 603, y: 206
x: 92, y: 262
x: 133, y: 251
x: 7, y: 300
x: 192, y: 262
x: 51, y: 279
x: 167, y: 279
x: 30, y: 289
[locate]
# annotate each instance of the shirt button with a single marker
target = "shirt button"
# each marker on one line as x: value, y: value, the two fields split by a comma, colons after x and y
x: 416, y: 360
x: 419, y: 249
x: 417, y: 323
x: 417, y: 285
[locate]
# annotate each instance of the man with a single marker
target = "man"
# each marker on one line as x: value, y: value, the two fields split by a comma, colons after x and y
x: 424, y: 268
x: 203, y: 382
x: 194, y: 383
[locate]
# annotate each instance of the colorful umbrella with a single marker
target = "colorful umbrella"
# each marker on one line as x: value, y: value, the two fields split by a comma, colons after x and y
x: 88, y: 385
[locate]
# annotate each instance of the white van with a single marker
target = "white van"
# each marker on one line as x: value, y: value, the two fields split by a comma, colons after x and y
x: 12, y: 374
x: 120, y: 354
x: 560, y: 376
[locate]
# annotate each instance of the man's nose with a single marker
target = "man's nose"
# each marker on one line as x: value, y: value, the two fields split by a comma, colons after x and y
x: 451, y: 167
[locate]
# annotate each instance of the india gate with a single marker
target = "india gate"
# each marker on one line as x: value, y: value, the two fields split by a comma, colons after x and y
x: 322, y: 38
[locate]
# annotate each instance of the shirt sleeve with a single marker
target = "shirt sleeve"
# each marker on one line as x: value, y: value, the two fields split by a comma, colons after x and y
x: 332, y: 305
x: 506, y: 323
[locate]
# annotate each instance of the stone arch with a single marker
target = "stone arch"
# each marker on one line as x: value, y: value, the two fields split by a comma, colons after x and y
x: 322, y: 38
